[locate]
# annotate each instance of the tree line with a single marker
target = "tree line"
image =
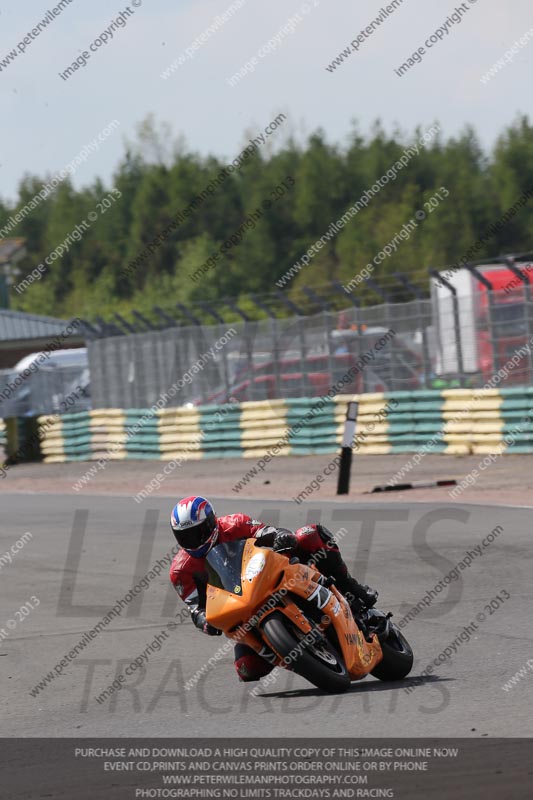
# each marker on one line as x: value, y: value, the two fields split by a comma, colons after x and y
x: 265, y: 217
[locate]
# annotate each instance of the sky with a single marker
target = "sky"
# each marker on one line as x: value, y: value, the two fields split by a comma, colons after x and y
x: 47, y: 121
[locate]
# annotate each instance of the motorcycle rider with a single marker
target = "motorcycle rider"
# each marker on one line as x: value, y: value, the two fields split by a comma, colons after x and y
x: 197, y: 530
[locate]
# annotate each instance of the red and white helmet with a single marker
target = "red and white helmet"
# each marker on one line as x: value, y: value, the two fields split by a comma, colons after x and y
x: 194, y: 525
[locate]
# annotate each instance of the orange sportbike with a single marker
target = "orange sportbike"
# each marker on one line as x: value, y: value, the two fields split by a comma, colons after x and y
x: 295, y: 618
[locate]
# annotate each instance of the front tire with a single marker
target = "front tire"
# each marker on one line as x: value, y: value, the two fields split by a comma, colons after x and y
x: 317, y: 662
x: 397, y: 657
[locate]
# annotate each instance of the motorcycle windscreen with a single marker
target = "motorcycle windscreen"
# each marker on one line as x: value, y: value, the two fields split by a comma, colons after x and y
x: 226, y: 560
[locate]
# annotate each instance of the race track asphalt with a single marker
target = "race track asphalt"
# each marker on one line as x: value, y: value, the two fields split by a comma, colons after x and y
x: 87, y: 553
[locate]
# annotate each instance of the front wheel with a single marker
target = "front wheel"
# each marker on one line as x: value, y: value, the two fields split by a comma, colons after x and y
x: 397, y: 656
x: 314, y: 658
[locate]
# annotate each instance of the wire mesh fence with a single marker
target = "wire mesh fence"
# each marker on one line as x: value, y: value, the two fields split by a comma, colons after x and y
x: 45, y: 390
x: 448, y: 341
x: 458, y: 342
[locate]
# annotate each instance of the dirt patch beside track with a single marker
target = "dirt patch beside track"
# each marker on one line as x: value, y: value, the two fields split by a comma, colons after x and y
x: 507, y: 481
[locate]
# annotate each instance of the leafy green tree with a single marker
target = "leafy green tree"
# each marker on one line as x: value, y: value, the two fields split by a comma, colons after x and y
x: 294, y: 190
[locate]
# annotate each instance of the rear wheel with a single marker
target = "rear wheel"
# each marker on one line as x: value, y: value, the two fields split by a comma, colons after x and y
x: 312, y: 657
x: 397, y: 656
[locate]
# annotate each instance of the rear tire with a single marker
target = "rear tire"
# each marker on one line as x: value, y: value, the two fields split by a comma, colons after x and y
x: 397, y: 657
x: 319, y: 663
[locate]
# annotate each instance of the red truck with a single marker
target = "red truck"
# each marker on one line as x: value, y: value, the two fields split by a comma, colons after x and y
x: 485, y: 323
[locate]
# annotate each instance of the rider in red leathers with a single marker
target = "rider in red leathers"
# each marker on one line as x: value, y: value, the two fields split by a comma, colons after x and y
x: 198, y: 530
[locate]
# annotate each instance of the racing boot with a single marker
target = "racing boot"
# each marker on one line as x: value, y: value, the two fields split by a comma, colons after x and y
x: 319, y: 546
x: 359, y: 596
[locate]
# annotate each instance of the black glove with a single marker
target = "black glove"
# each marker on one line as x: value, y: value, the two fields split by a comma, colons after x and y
x: 265, y: 536
x: 199, y: 619
x: 285, y: 542
x: 268, y: 536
